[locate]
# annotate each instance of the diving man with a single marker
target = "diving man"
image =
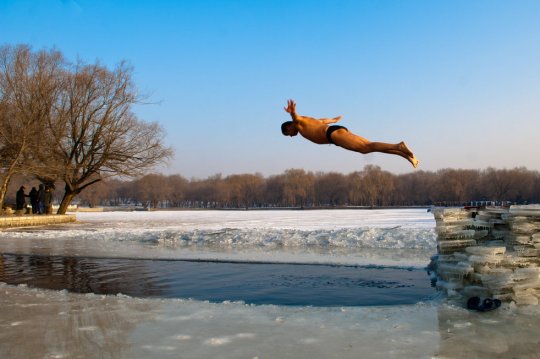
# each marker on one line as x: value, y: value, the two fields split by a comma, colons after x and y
x: 319, y: 131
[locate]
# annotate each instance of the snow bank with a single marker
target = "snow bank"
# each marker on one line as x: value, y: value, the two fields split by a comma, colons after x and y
x: 353, y: 237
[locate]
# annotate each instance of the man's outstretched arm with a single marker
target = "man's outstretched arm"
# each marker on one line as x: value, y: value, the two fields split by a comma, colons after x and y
x: 330, y: 120
x: 291, y: 109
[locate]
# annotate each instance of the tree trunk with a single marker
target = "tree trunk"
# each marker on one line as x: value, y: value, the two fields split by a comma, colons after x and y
x: 7, y: 178
x: 3, y: 189
x: 66, y: 201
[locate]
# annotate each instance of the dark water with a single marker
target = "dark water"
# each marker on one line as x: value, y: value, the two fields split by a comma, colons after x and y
x: 256, y: 283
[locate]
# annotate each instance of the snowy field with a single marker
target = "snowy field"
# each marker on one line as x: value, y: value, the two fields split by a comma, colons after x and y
x: 38, y: 323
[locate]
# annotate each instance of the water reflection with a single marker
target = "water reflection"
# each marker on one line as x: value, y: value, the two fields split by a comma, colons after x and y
x: 80, y: 275
x: 66, y: 326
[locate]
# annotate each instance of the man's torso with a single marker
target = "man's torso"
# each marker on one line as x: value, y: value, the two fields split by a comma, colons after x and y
x: 312, y: 129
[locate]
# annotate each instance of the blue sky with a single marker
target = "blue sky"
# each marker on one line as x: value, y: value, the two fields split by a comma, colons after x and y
x: 459, y: 81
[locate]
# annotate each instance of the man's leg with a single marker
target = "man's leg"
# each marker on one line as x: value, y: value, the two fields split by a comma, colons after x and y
x: 412, y: 159
x: 399, y: 149
x: 362, y: 145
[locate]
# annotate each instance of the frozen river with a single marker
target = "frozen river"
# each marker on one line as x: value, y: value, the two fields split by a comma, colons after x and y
x: 58, y: 323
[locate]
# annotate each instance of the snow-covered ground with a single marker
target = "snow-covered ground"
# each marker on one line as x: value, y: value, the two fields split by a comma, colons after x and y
x: 37, y: 323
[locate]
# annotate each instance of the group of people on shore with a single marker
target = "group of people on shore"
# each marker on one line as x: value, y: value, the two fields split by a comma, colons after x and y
x: 40, y: 199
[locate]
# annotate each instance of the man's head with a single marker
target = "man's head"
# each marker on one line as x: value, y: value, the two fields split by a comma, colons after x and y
x: 289, y: 129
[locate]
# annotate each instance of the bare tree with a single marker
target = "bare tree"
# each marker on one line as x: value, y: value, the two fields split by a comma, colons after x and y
x: 454, y: 186
x: 331, y: 188
x: 28, y: 88
x: 95, y: 133
x: 378, y: 185
x: 535, y: 196
x: 354, y: 188
x: 178, y: 186
x: 298, y: 188
x: 499, y: 184
x: 152, y: 190
x: 416, y: 188
x: 121, y: 192
x: 96, y: 194
x: 244, y: 189
x: 273, y: 190
x: 207, y: 193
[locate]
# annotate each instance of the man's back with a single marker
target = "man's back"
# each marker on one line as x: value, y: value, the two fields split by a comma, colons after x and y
x: 312, y: 129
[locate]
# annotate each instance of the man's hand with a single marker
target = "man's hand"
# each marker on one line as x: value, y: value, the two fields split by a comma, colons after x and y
x: 291, y: 107
x: 330, y: 120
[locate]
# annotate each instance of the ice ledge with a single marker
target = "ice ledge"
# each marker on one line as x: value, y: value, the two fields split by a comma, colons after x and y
x: 35, y: 220
x: 489, y: 252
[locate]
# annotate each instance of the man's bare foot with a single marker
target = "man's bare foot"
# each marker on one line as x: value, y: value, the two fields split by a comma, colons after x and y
x: 413, y: 161
x: 403, y: 147
x: 410, y: 156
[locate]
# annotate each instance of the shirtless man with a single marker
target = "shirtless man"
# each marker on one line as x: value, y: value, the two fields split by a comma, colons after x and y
x: 318, y: 131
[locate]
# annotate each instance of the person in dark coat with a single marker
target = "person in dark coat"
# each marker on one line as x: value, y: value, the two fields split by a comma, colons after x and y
x: 34, y: 199
x: 47, y: 200
x: 41, y: 197
x: 20, y: 199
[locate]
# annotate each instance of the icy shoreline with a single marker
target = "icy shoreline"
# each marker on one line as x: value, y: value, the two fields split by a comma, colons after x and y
x: 36, y: 323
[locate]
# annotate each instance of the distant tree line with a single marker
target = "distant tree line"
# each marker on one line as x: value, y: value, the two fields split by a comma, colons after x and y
x: 70, y: 123
x: 299, y: 188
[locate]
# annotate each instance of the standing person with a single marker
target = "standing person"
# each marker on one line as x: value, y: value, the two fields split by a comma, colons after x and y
x: 41, y: 198
x: 47, y: 200
x: 318, y: 131
x: 20, y: 201
x: 34, y: 199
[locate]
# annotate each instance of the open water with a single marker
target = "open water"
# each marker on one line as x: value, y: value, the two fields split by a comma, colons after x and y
x: 218, y: 281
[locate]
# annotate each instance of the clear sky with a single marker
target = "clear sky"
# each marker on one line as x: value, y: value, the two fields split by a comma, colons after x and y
x: 459, y: 81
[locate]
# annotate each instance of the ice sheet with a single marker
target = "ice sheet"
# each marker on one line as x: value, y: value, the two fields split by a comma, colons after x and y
x: 380, y: 237
x: 66, y: 325
x: 48, y: 324
x: 285, y: 219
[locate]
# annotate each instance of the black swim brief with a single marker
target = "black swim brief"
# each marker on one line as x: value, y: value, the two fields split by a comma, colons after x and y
x: 331, y: 130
